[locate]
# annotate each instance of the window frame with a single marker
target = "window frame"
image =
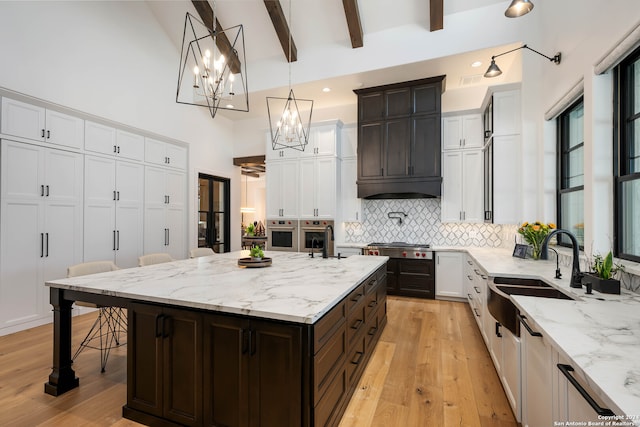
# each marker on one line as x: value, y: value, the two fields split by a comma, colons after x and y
x: 562, y: 164
x: 623, y: 119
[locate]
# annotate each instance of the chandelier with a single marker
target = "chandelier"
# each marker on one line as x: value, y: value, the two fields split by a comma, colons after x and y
x: 290, y: 117
x: 212, y: 70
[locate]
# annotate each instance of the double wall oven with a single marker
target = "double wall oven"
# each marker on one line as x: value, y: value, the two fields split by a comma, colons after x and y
x: 282, y: 235
x: 314, y: 229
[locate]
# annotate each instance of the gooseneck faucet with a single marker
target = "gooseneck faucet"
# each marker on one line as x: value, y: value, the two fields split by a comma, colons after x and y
x: 314, y: 243
x: 326, y: 241
x: 575, y: 270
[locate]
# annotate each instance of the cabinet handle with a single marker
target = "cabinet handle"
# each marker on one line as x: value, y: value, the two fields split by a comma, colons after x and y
x: 477, y: 289
x: 356, y: 297
x: 475, y: 270
x: 475, y: 310
x: 118, y: 149
x: 168, y: 160
x: 464, y: 215
x: 469, y: 262
x: 356, y: 324
x: 469, y: 296
x: 47, y: 245
x: 357, y: 216
x: 527, y: 327
x: 114, y: 194
x: 41, y: 245
x: 42, y: 191
x: 159, y: 325
x: 483, y: 276
x: 168, y: 200
x: 114, y: 240
x: 464, y: 142
x: 372, y: 331
x: 168, y: 237
x: 43, y: 133
x: 48, y: 134
x: 114, y: 148
x: 117, y: 195
x: 47, y: 192
x: 373, y: 303
x: 566, y: 369
x: 469, y: 277
x: 498, y: 334
x: 356, y: 360
x: 117, y: 240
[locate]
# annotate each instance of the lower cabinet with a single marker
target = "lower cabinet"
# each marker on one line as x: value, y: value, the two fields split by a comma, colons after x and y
x: 411, y: 278
x: 192, y: 368
x: 449, y: 273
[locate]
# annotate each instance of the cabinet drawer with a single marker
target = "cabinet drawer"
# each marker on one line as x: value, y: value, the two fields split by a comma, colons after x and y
x: 371, y: 283
x: 372, y: 330
x: 355, y: 297
x: 371, y: 305
x: 356, y: 323
x: 328, y: 360
x: 327, y: 326
x: 356, y: 360
x: 329, y: 408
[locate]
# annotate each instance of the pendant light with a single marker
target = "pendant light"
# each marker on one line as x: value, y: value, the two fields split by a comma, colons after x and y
x: 518, y: 8
x: 212, y: 70
x: 290, y: 117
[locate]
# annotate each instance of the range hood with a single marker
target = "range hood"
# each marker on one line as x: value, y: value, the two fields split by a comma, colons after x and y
x: 428, y: 188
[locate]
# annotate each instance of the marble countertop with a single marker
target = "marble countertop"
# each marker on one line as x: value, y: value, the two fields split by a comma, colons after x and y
x: 294, y: 288
x: 598, y: 333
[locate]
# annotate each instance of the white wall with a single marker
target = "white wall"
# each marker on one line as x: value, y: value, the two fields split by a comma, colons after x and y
x: 113, y: 60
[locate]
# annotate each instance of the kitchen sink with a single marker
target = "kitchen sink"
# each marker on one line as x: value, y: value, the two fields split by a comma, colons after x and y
x: 520, y: 281
x: 499, y: 301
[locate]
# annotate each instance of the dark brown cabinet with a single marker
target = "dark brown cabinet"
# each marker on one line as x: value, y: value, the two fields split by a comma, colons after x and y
x: 399, y: 142
x: 164, y: 361
x: 411, y: 278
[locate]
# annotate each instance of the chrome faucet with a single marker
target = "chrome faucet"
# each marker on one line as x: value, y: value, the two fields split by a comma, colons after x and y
x: 576, y: 276
x: 326, y: 241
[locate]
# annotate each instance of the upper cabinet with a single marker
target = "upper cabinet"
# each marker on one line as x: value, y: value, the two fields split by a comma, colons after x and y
x: 463, y: 131
x: 107, y: 140
x: 165, y: 154
x: 40, y: 124
x: 399, y: 138
x: 507, y: 119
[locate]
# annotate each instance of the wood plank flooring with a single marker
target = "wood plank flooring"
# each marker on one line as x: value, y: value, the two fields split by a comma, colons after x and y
x: 430, y: 368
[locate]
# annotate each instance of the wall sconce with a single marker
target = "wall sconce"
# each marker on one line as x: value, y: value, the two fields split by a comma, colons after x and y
x: 518, y: 8
x: 494, y: 70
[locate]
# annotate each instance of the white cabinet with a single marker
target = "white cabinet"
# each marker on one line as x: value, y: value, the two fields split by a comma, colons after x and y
x: 536, y: 376
x: 107, y: 140
x: 164, y: 212
x: 39, y: 124
x: 464, y: 131
x: 317, y: 196
x: 281, y: 154
x: 349, y: 201
x: 282, y: 189
x: 510, y: 370
x: 449, y: 274
x: 506, y: 179
x: 462, y: 186
x: 324, y: 140
x: 41, y: 229
x: 507, y: 113
x: 113, y: 211
x: 165, y: 154
x: 572, y: 405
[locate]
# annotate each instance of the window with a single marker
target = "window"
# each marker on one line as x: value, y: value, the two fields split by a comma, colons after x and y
x: 571, y: 173
x: 628, y: 158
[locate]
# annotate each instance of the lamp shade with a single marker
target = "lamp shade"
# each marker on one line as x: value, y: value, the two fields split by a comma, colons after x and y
x: 493, y: 70
x: 518, y: 8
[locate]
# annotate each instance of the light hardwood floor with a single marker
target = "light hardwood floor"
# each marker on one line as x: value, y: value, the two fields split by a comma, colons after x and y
x: 430, y: 368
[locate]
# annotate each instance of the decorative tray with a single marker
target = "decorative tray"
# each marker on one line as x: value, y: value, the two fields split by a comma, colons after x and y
x: 251, y: 263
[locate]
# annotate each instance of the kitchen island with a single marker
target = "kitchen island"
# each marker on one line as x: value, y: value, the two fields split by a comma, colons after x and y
x: 211, y: 343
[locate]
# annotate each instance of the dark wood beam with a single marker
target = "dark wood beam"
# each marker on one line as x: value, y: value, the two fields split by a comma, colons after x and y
x: 222, y: 41
x: 353, y: 22
x: 252, y: 160
x: 251, y: 174
x: 282, y: 29
x: 436, y: 15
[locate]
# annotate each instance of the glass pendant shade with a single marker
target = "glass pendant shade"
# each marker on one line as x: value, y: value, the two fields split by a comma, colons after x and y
x: 493, y: 70
x: 212, y: 70
x: 289, y: 121
x: 518, y: 8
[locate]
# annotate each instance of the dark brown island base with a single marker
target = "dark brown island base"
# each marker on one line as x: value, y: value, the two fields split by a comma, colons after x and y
x: 194, y: 367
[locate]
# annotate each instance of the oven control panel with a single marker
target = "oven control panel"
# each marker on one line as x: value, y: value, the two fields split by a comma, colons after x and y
x: 409, y: 253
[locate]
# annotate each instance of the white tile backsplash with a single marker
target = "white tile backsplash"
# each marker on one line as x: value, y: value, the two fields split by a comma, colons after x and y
x: 421, y: 225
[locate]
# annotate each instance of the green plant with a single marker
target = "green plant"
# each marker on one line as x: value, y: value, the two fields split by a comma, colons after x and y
x: 605, y: 267
x: 250, y: 229
x: 256, y: 252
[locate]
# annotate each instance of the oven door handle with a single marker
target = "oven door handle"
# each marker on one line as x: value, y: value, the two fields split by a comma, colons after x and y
x: 282, y: 228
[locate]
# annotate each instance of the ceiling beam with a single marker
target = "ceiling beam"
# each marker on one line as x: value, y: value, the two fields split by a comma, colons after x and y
x: 282, y: 29
x: 353, y: 22
x: 436, y: 15
x: 222, y: 41
x: 251, y: 174
x: 251, y: 160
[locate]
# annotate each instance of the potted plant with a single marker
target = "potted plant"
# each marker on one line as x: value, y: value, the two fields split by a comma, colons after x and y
x: 256, y: 253
x: 602, y: 278
x: 250, y: 230
x: 534, y: 234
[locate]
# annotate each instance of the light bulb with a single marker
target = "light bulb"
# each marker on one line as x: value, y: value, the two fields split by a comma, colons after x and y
x: 196, y: 71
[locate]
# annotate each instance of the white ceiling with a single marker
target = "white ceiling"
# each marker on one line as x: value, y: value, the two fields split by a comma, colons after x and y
x: 317, y: 23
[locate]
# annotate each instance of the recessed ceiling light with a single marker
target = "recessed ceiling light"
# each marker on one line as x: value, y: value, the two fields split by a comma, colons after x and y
x: 230, y: 106
x: 476, y: 64
x: 326, y: 89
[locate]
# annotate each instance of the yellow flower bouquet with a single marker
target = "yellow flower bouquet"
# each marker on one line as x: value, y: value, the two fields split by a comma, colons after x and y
x: 535, y: 233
